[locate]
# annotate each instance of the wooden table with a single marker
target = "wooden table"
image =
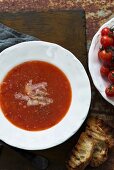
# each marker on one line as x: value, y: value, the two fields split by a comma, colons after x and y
x: 66, y: 29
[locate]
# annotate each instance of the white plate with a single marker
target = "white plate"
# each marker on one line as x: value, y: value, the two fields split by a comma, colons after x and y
x: 94, y: 63
x: 81, y: 94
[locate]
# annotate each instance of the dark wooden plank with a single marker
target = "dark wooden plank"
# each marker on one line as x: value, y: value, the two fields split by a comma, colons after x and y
x: 66, y: 28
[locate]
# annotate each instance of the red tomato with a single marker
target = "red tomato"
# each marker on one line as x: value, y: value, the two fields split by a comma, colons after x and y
x: 110, y: 91
x: 106, y: 41
x: 111, y: 76
x: 106, y: 31
x: 105, y: 56
x: 104, y: 71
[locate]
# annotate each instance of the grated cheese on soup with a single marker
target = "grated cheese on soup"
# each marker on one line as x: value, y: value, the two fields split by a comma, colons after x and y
x: 36, y: 94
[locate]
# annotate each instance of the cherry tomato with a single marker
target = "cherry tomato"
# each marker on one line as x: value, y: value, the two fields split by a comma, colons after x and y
x: 105, y: 56
x: 104, y: 71
x: 111, y: 76
x: 106, y: 31
x: 110, y: 91
x: 106, y: 41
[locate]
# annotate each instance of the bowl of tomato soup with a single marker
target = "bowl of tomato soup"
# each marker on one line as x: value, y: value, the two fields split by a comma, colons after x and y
x: 44, y: 95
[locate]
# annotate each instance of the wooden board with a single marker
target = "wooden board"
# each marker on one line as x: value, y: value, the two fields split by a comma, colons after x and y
x: 66, y: 28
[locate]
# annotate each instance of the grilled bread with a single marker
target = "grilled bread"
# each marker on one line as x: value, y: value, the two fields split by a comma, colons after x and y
x: 101, y: 129
x: 82, y: 153
x: 103, y: 136
x: 100, y: 154
x: 95, y: 136
x: 92, y: 146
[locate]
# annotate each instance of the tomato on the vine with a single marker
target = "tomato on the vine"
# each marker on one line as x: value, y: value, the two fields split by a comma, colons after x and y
x: 111, y: 76
x: 106, y: 31
x: 104, y: 71
x: 110, y: 91
x: 106, y: 41
x: 105, y: 56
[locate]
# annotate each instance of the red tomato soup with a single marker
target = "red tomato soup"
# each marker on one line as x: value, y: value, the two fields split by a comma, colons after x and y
x: 35, y: 95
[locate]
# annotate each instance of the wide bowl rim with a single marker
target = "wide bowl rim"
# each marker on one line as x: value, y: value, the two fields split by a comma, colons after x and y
x: 64, y: 138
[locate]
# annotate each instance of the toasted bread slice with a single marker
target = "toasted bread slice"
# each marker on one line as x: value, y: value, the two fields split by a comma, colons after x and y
x: 100, y: 154
x: 92, y: 146
x: 101, y: 129
x: 104, y: 139
x: 94, y: 124
x: 82, y: 153
x: 96, y: 136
